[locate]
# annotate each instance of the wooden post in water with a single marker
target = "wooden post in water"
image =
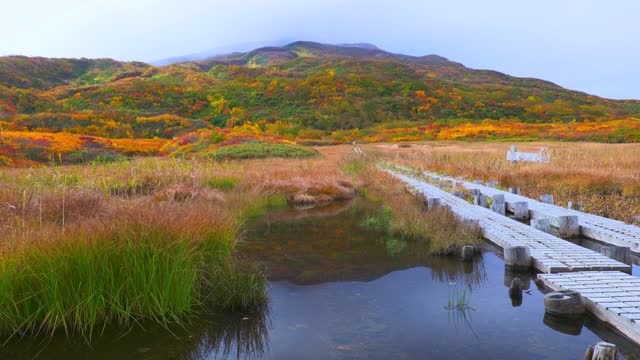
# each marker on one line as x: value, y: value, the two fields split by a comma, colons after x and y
x: 458, y: 193
x: 517, y: 258
x: 618, y: 253
x: 514, y: 190
x: 547, y: 198
x: 521, y: 210
x: 564, y: 303
x: 467, y: 253
x: 568, y: 225
x: 602, y: 351
x: 492, y: 184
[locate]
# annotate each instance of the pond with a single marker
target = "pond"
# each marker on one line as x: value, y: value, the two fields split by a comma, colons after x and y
x: 341, y: 291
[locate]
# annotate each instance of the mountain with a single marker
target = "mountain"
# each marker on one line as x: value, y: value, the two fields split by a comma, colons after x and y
x: 43, y: 73
x: 274, y: 55
x: 301, y: 89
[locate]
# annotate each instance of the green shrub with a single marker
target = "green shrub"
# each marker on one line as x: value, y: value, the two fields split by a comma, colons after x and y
x: 221, y: 182
x: 259, y: 150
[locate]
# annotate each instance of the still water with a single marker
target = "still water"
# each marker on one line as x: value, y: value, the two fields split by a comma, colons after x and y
x: 339, y: 291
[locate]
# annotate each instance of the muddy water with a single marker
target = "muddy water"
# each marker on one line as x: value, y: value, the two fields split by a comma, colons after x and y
x: 339, y: 291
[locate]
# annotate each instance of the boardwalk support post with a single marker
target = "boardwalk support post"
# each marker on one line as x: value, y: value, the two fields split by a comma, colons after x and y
x: 498, y: 204
x: 568, y: 225
x: 602, y: 351
x: 542, y: 224
x: 547, y: 199
x: 433, y: 203
x: 517, y: 258
x: 480, y: 200
x: 521, y: 210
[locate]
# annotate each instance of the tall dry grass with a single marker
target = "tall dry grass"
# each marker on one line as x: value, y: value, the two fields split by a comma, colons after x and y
x: 86, y: 246
x: 605, y: 178
x: 403, y: 215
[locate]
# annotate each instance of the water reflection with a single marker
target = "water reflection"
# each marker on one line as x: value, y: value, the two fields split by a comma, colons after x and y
x: 447, y: 269
x: 247, y: 338
x: 341, y: 291
x: 565, y: 325
x: 308, y: 251
x: 218, y: 336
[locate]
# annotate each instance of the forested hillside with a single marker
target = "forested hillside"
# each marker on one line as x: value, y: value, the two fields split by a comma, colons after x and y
x: 302, y: 91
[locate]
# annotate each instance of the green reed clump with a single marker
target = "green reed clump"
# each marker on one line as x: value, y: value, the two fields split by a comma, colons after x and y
x: 236, y: 286
x: 380, y: 220
x: 459, y: 298
x: 261, y: 150
x: 130, y: 273
x: 221, y: 182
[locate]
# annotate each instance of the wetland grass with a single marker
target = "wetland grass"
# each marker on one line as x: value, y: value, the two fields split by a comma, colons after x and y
x: 137, y: 267
x: 404, y: 216
x: 88, y: 247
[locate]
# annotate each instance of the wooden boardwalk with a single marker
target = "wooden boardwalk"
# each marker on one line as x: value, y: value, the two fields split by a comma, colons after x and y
x: 599, y: 228
x: 549, y: 253
x: 612, y: 296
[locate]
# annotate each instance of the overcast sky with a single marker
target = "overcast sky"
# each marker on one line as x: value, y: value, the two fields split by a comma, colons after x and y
x: 587, y: 45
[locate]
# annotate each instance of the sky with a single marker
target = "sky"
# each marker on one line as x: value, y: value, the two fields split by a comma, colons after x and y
x: 587, y: 45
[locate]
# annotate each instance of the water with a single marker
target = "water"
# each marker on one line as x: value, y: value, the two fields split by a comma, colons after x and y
x: 339, y: 291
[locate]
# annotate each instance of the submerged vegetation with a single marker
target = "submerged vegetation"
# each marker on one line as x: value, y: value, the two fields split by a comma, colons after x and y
x: 459, y: 298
